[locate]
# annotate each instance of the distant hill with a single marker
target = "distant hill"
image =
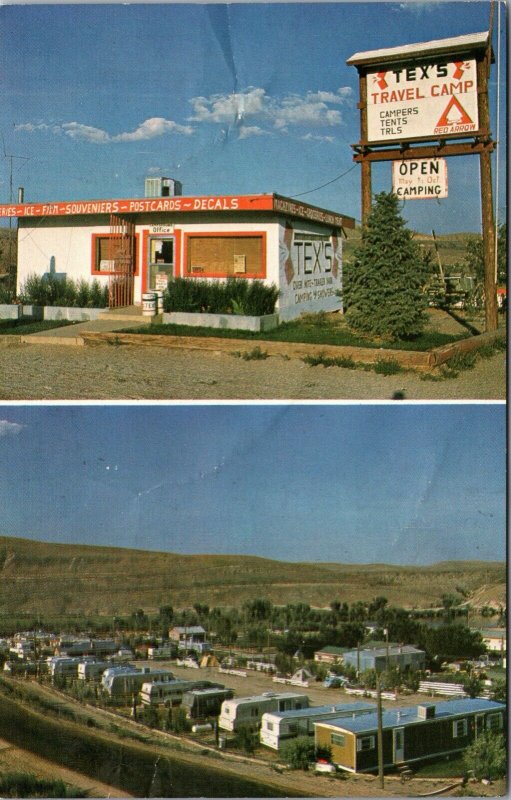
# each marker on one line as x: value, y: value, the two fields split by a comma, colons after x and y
x: 451, y: 246
x: 42, y: 578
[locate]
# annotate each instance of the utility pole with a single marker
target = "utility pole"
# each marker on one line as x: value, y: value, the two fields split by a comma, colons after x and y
x: 11, y: 158
x: 381, y: 778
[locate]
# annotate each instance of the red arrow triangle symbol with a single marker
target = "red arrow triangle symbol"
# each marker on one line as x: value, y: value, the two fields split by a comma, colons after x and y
x: 454, y: 114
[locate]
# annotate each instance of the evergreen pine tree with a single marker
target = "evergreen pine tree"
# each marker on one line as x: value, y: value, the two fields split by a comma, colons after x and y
x: 384, y: 295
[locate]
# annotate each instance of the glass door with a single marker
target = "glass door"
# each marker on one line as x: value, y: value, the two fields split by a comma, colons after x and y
x: 160, y: 262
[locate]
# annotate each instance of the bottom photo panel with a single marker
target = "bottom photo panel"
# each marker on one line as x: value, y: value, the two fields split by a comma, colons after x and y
x: 266, y: 600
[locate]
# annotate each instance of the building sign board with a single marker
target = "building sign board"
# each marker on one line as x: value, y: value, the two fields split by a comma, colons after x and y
x: 217, y: 203
x: 310, y: 270
x: 422, y: 101
x: 420, y: 178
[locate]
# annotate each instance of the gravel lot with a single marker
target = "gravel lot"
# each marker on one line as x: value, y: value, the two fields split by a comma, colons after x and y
x: 59, y: 372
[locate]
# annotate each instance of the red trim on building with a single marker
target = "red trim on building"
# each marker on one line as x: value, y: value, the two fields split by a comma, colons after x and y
x: 276, y: 204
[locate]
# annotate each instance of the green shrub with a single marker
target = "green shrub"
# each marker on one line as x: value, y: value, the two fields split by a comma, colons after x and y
x: 486, y: 756
x: 299, y: 752
x: 46, y: 290
x: 234, y: 296
x: 245, y: 739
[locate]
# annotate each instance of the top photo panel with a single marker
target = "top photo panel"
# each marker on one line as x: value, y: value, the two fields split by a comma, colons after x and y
x: 253, y: 201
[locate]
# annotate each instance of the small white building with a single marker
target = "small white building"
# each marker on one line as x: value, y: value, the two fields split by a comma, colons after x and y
x: 136, y: 245
x: 278, y: 727
x: 249, y: 710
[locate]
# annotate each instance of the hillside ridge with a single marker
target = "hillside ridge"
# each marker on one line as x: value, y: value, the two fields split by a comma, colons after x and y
x: 42, y: 577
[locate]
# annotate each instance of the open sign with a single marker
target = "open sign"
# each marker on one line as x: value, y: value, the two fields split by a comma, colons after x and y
x: 420, y: 178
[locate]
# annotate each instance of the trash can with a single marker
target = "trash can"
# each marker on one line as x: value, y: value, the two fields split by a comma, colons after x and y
x: 148, y: 304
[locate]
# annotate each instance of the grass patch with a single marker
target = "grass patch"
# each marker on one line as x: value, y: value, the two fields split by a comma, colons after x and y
x: 26, y: 784
x: 387, y: 366
x: 309, y: 329
x: 340, y: 361
x: 464, y: 361
x: 256, y: 354
x: 20, y: 327
x: 451, y: 767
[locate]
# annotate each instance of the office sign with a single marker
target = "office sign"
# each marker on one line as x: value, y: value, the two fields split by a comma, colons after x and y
x: 420, y: 178
x: 422, y: 101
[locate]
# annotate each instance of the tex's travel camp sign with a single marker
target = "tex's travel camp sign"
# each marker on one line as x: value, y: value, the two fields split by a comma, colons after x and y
x: 420, y: 178
x: 422, y: 101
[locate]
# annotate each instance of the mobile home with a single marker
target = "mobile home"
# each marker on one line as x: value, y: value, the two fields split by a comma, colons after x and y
x: 278, y: 727
x: 410, y: 735
x: 249, y: 710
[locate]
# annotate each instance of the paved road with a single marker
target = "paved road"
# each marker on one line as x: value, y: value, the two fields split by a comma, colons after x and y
x: 52, y: 372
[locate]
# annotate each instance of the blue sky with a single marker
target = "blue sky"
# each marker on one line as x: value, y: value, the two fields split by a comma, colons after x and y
x: 408, y: 484
x: 228, y: 99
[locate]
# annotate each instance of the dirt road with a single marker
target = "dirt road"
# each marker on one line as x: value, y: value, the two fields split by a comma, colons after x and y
x: 50, y: 372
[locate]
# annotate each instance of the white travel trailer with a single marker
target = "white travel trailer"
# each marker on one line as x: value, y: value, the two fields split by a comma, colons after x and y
x: 249, y: 710
x: 64, y: 666
x: 170, y: 692
x: 92, y: 670
x: 126, y: 679
x: 278, y: 727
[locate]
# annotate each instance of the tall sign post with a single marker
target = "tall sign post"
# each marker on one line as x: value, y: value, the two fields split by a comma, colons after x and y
x: 417, y: 102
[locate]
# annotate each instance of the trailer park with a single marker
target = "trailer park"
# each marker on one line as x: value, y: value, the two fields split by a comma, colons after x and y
x: 236, y: 701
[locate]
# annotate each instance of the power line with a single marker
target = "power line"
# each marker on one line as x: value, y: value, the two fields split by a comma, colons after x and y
x: 338, y: 178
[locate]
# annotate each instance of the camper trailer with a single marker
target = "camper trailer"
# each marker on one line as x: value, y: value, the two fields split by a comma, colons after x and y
x: 201, y: 703
x: 277, y: 728
x: 249, y: 710
x: 126, y: 679
x: 92, y: 670
x: 170, y: 692
x: 64, y: 666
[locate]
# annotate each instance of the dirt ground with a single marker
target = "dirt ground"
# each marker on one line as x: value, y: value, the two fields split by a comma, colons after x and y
x: 58, y: 372
x: 122, y: 372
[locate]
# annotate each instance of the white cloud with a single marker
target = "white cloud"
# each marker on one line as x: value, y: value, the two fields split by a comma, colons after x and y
x: 244, y: 109
x: 246, y: 131
x: 311, y: 137
x: 76, y: 130
x: 10, y: 428
x: 39, y: 126
x: 149, y: 129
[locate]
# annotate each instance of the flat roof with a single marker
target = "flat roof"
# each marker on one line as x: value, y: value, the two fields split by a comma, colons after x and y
x: 394, y: 650
x: 348, y: 708
x: 410, y: 714
x: 453, y: 45
x: 218, y: 204
x: 257, y: 698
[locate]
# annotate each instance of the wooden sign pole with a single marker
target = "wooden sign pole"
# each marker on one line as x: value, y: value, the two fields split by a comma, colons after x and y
x: 488, y: 222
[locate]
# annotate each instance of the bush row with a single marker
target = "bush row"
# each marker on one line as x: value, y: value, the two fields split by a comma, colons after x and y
x: 46, y: 290
x: 235, y: 296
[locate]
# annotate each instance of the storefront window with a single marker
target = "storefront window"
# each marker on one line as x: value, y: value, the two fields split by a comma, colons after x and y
x: 226, y: 255
x: 113, y: 254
